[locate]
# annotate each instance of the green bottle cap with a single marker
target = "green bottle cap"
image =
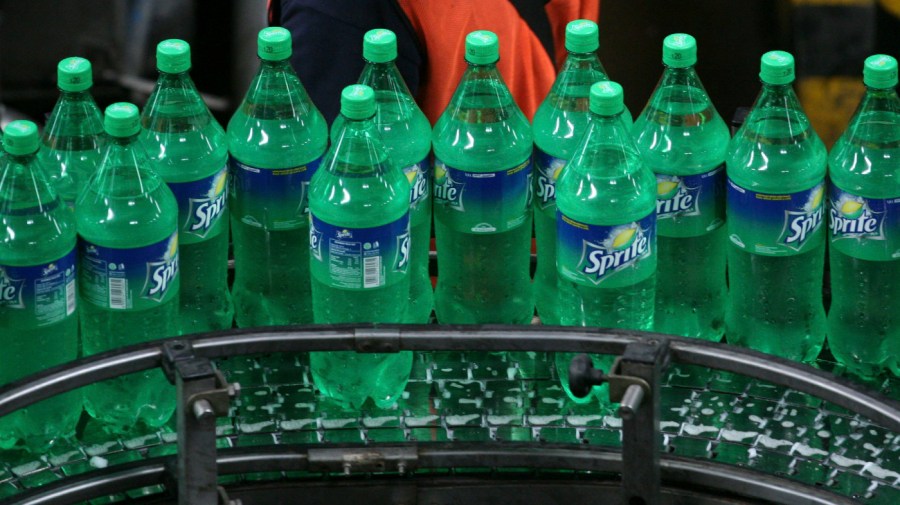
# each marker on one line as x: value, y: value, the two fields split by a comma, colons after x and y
x: 482, y: 47
x: 173, y: 56
x: 679, y: 50
x: 607, y: 98
x: 380, y: 46
x: 74, y: 74
x: 21, y: 137
x: 880, y: 71
x: 274, y: 44
x: 582, y: 36
x: 358, y: 102
x: 122, y: 119
x: 777, y: 67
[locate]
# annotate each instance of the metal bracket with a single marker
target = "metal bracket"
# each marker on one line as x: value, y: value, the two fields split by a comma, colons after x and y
x: 637, y: 375
x: 215, y: 402
x: 203, y: 395
x: 626, y: 390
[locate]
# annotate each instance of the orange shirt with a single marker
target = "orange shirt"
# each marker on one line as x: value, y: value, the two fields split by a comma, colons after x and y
x: 442, y: 26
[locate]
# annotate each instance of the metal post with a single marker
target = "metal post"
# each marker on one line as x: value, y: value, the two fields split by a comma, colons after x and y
x: 203, y: 395
x: 640, y: 412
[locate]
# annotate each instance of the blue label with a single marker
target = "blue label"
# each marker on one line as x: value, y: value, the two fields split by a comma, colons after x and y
x: 547, y: 169
x: 776, y: 224
x: 274, y: 199
x: 419, y: 177
x: 359, y: 258
x: 138, y: 278
x: 864, y: 228
x: 690, y: 205
x: 47, y: 291
x: 482, y: 202
x: 201, y: 204
x: 595, y: 255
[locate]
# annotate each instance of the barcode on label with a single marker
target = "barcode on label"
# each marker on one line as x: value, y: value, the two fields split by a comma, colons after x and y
x: 118, y: 287
x: 70, y: 297
x: 372, y: 272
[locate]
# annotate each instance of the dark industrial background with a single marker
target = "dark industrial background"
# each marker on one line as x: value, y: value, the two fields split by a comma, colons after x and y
x: 829, y: 38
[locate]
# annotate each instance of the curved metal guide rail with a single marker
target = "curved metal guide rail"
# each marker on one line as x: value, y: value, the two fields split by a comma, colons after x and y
x: 761, y: 429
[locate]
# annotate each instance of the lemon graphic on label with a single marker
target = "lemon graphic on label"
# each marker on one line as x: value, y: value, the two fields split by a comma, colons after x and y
x: 851, y: 209
x: 624, y: 238
x: 440, y: 174
x: 172, y: 249
x: 412, y: 174
x: 666, y: 189
x: 218, y: 185
x: 815, y: 199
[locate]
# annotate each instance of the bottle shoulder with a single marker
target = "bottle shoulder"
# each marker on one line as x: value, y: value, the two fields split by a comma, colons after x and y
x: 776, y: 150
x: 43, y: 236
x: 129, y: 221
x: 609, y: 187
x: 277, y: 142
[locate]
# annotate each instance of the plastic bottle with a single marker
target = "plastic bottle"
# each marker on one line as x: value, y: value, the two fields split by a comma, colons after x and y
x: 606, y: 228
x: 359, y: 240
x: 38, y: 313
x: 864, y: 207
x: 683, y: 140
x: 407, y: 134
x: 776, y: 170
x: 72, y: 143
x: 559, y: 125
x: 188, y: 149
x: 482, y: 188
x: 276, y: 138
x: 128, y: 272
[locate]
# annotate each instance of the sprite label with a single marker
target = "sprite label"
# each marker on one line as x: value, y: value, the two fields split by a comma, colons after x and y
x: 359, y: 258
x: 776, y: 224
x: 273, y: 199
x: 201, y: 204
x: 46, y: 292
x: 605, y: 256
x: 547, y: 169
x: 419, y: 177
x: 690, y: 205
x: 864, y: 228
x: 125, y: 279
x: 482, y: 202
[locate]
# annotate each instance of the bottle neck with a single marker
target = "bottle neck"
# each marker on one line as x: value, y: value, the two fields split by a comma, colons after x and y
x: 881, y: 98
x: 274, y: 65
x: 581, y: 60
x: 679, y: 76
x: 76, y: 96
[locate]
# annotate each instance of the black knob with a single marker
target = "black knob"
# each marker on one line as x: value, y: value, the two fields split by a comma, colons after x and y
x: 583, y: 376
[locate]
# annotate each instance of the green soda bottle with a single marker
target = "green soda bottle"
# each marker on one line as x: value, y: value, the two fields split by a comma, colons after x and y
x: 605, y: 228
x: 359, y: 239
x: 72, y: 143
x: 482, y: 189
x: 128, y: 272
x: 188, y: 149
x: 683, y: 140
x: 864, y: 197
x: 559, y: 125
x: 776, y: 170
x: 407, y: 135
x: 276, y: 139
x: 37, y: 289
